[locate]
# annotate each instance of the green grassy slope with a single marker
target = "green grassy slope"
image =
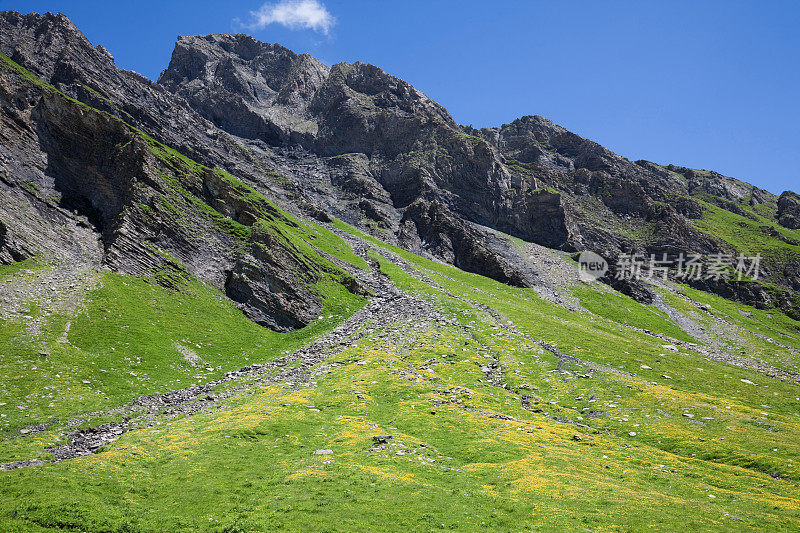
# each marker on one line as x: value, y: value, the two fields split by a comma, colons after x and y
x: 763, y: 235
x: 133, y: 337
x: 506, y: 410
x: 702, y: 449
x: 625, y: 310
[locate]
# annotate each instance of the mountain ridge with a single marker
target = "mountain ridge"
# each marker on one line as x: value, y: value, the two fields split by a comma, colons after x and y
x: 377, y: 153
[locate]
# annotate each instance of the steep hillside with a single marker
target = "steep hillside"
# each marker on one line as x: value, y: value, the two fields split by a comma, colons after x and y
x: 353, y: 142
x: 264, y: 293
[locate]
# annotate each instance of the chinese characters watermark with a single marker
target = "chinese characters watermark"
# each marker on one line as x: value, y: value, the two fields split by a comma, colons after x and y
x: 683, y: 267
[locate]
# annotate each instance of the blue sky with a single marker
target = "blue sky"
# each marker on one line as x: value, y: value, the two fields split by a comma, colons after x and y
x: 705, y: 84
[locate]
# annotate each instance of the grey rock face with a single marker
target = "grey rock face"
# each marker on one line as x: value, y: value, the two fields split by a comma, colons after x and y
x: 789, y: 210
x: 248, y: 88
x: 384, y: 145
x: 54, y: 50
x: 265, y: 282
x: 90, y: 189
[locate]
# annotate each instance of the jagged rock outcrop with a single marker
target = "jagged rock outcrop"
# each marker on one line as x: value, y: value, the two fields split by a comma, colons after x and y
x: 84, y: 186
x: 53, y: 49
x: 789, y: 210
x: 11, y: 250
x: 248, y: 88
x: 581, y: 173
x: 271, y: 284
x: 550, y: 222
x: 378, y: 137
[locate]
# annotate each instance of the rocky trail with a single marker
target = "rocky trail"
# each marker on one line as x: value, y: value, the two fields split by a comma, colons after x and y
x: 717, y: 345
x: 45, y: 292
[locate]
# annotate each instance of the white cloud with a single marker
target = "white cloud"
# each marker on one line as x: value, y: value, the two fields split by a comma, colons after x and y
x: 294, y: 14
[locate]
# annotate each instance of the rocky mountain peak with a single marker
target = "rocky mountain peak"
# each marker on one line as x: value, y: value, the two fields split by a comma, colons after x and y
x: 258, y: 72
x: 387, y: 91
x: 283, y: 98
x: 151, y: 232
x: 47, y: 44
